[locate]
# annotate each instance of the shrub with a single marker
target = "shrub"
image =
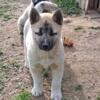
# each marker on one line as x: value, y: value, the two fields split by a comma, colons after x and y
x: 69, y: 6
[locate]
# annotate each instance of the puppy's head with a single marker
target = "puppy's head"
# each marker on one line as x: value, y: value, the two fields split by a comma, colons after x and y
x: 46, y: 28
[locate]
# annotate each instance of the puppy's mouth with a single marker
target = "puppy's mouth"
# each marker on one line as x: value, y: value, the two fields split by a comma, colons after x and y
x: 46, y: 47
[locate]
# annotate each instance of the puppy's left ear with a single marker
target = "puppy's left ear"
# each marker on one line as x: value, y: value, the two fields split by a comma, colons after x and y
x: 34, y: 16
x: 57, y: 17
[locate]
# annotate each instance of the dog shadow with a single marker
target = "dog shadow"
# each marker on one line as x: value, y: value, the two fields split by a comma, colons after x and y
x: 71, y: 88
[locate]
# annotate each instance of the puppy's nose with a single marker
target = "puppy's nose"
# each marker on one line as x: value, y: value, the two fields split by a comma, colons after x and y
x: 45, y: 46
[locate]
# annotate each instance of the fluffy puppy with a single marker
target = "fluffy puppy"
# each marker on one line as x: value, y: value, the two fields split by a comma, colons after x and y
x: 43, y: 45
x: 44, y: 49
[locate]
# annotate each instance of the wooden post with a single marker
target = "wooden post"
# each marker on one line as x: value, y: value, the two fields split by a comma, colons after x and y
x: 99, y: 7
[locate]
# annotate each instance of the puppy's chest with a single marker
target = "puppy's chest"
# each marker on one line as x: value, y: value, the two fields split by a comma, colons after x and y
x: 46, y: 60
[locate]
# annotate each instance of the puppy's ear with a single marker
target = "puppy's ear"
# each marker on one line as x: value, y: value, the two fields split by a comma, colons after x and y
x: 34, y: 16
x: 57, y: 17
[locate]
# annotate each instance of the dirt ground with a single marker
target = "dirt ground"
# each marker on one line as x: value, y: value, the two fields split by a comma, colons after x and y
x: 82, y: 61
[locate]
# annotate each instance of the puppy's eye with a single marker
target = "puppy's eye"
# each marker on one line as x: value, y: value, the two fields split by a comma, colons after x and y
x: 53, y: 34
x: 38, y: 33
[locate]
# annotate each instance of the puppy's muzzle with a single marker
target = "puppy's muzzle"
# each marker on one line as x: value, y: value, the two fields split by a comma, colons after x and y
x: 46, y: 45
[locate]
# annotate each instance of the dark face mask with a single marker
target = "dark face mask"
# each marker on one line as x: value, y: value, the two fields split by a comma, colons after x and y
x: 46, y: 37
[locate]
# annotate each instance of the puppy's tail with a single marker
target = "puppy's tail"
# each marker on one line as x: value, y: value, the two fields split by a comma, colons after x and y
x: 46, y: 6
x: 35, y: 2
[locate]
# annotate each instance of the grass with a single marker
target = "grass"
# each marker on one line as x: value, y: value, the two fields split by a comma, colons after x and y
x: 78, y: 87
x: 23, y: 95
x: 6, y: 17
x: 1, y: 52
x: 95, y: 28
x: 3, y: 11
x: 5, y: 67
x: 2, y: 80
x: 2, y: 76
x: 63, y: 98
x: 5, y: 8
x: 9, y: 65
x: 78, y: 28
x: 69, y: 6
x: 15, y: 64
x: 45, y: 73
x: 98, y: 98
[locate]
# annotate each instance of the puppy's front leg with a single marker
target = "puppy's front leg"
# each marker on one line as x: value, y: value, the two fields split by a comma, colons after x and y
x: 57, y: 74
x: 37, y: 80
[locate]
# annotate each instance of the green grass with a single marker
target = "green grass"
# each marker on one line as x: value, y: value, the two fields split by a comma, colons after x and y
x: 78, y: 28
x: 1, y: 52
x: 2, y: 80
x: 14, y: 64
x: 95, y: 28
x: 7, y: 17
x: 3, y: 75
x: 78, y: 87
x: 69, y: 6
x: 45, y: 73
x: 5, y: 67
x: 5, y: 9
x: 9, y: 65
x: 98, y: 97
x: 24, y: 95
x: 63, y: 98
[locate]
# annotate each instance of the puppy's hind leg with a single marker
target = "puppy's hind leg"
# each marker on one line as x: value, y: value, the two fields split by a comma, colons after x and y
x: 26, y: 64
x: 21, y: 22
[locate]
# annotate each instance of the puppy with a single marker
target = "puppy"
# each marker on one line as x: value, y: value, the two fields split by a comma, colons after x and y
x: 44, y: 48
x: 41, y: 6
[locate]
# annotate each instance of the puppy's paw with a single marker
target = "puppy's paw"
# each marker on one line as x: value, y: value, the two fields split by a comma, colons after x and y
x: 36, y: 92
x: 56, y: 95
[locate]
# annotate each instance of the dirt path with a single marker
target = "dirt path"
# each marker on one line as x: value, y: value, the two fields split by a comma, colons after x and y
x: 82, y: 73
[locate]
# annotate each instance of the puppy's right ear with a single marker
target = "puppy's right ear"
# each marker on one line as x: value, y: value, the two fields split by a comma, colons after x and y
x: 34, y: 16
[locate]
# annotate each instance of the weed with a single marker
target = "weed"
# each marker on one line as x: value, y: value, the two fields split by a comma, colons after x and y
x: 7, y: 17
x: 15, y: 64
x: 63, y: 98
x: 69, y: 6
x: 1, y: 52
x: 45, y: 73
x: 2, y: 80
x: 78, y: 87
x: 78, y: 28
x: 24, y: 95
x: 4, y: 68
x: 5, y: 9
x: 98, y: 98
x: 95, y: 28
